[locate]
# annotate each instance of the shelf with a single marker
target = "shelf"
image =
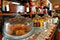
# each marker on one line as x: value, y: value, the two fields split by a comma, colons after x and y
x: 4, y: 14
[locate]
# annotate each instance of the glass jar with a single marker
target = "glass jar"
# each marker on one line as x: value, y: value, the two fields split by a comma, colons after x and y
x: 36, y: 21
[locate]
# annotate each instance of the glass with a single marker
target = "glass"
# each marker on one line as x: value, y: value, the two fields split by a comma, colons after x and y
x: 17, y: 28
x: 42, y: 22
x: 36, y: 22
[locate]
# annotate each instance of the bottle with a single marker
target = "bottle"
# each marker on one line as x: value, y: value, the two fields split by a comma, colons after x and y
x: 46, y: 13
x: 27, y: 8
x: 41, y: 11
x: 5, y: 8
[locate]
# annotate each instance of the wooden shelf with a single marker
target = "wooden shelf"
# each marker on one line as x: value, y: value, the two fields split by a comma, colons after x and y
x: 4, y: 14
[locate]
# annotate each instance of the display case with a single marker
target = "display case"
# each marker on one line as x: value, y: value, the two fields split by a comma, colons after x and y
x: 18, y: 28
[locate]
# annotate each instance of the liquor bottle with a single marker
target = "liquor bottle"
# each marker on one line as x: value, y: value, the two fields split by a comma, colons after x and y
x: 27, y: 8
x: 47, y: 4
x: 41, y: 11
x: 46, y: 12
x: 5, y: 8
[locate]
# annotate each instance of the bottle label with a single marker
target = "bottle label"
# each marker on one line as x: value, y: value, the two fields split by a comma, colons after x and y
x: 7, y: 7
x: 27, y: 9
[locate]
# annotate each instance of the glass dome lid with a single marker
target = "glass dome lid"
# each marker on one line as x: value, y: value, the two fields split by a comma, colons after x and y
x: 18, y: 28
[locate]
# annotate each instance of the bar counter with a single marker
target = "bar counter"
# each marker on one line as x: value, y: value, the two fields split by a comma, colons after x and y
x: 37, y: 36
x: 34, y: 36
x: 42, y: 36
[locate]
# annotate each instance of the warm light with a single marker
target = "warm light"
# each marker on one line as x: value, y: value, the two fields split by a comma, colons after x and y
x: 57, y: 6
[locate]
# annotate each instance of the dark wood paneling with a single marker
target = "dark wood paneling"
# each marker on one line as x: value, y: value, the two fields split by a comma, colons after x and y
x: 0, y: 5
x: 1, y: 36
x: 0, y: 2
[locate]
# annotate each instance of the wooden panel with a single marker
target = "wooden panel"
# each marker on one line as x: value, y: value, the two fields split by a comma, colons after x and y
x: 1, y: 36
x: 5, y: 14
x: 13, y: 8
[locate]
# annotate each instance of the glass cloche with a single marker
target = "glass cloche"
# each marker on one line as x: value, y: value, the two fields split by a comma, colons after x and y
x: 18, y: 28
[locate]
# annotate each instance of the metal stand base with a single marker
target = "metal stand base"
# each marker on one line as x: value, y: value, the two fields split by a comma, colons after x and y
x: 10, y: 39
